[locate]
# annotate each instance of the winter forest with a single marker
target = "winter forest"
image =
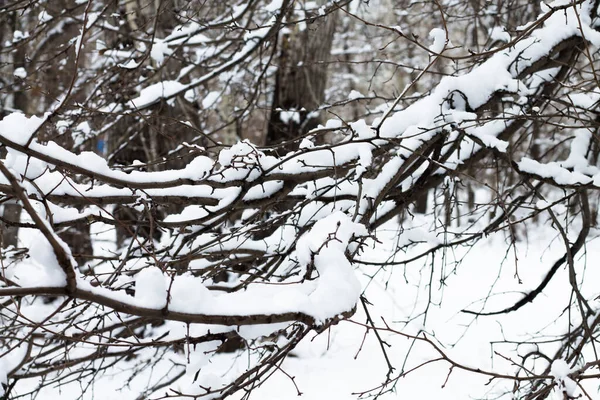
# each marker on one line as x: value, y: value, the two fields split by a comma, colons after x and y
x: 261, y: 199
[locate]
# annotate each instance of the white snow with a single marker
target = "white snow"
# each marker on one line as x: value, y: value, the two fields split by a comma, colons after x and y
x: 499, y: 34
x: 18, y: 128
x: 289, y: 115
x: 160, y: 49
x: 20, y: 73
x: 554, y: 171
x: 159, y: 90
x: 330, y: 367
x: 150, y: 288
x: 131, y: 64
x: 211, y: 99
x: 189, y: 294
x: 44, y: 17
x: 560, y: 371
x: 439, y: 38
x: 355, y: 94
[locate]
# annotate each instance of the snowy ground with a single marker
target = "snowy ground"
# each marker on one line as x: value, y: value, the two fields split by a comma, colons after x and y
x: 339, y: 373
x: 335, y: 366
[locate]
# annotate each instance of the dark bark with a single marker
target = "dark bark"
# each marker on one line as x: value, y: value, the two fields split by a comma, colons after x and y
x: 300, y: 80
x: 12, y: 212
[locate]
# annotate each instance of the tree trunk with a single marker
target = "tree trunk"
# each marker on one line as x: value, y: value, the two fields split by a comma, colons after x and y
x: 12, y: 212
x: 300, y: 79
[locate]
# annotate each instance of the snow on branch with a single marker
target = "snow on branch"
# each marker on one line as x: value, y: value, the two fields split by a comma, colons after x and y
x: 254, y: 246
